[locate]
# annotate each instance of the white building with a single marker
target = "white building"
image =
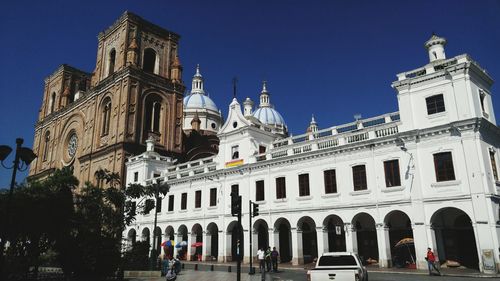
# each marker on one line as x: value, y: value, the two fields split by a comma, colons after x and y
x: 428, y: 172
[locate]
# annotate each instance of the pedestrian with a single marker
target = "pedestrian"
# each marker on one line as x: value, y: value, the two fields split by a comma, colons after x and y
x: 260, y: 257
x: 431, y: 261
x: 164, y: 265
x: 274, y: 259
x: 268, y: 259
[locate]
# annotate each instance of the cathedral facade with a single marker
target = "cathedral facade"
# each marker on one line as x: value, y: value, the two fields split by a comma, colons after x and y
x: 386, y: 187
x: 93, y: 121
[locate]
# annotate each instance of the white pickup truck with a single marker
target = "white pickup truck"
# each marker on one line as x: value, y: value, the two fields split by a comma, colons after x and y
x: 338, y: 266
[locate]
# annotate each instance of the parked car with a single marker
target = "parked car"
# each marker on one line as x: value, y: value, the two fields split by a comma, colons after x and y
x: 338, y: 266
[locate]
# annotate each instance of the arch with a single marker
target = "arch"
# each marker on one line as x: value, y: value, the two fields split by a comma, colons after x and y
x: 150, y: 61
x: 212, y: 241
x: 145, y: 235
x: 169, y: 236
x: 131, y: 238
x: 197, y: 237
x: 182, y: 235
x: 169, y: 233
x: 308, y: 238
x: 454, y: 236
x: 157, y: 240
x: 261, y: 233
x: 111, y: 61
x: 366, y: 236
x: 335, y: 233
x: 235, y: 233
x: 46, y: 144
x: 152, y: 114
x: 399, y: 225
x: 105, y: 116
x: 283, y: 239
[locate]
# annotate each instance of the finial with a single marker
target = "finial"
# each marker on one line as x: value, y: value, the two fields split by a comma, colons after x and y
x: 198, y: 69
x: 264, y: 86
x: 312, y: 119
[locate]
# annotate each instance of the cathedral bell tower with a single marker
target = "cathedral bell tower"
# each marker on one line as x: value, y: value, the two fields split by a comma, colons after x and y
x: 94, y: 121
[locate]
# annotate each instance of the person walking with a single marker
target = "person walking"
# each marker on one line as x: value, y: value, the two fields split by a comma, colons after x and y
x: 268, y: 259
x: 274, y: 259
x: 431, y: 261
x: 260, y: 257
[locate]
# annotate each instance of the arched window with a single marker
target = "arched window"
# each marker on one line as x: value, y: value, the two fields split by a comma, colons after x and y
x: 106, y: 116
x: 111, y: 62
x: 46, y: 146
x: 152, y: 114
x: 52, y: 102
x: 149, y: 62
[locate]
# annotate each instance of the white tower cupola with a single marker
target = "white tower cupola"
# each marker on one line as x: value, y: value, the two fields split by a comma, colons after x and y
x: 197, y: 85
x: 435, y: 47
x: 264, y: 96
x: 248, y: 107
x: 313, y: 126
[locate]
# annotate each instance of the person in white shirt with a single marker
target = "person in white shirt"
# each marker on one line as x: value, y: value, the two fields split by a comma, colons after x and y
x: 262, y: 263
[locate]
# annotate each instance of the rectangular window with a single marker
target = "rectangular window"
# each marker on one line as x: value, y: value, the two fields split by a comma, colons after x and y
x: 391, y: 169
x: 213, y: 196
x: 235, y: 189
x: 259, y: 191
x: 330, y: 181
x: 184, y: 199
x: 359, y: 177
x: 158, y: 204
x: 170, y: 203
x: 494, y: 165
x: 443, y: 165
x: 155, y: 175
x: 435, y: 104
x: 234, y: 152
x: 262, y: 149
x: 304, y: 185
x: 136, y: 176
x: 280, y: 188
x: 197, y: 199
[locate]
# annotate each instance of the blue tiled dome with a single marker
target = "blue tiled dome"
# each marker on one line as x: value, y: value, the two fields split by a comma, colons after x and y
x: 194, y: 101
x: 269, y: 116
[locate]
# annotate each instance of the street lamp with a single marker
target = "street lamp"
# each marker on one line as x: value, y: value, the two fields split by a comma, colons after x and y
x: 23, y: 157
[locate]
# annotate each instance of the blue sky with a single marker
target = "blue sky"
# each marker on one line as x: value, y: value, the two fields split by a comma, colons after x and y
x: 332, y: 59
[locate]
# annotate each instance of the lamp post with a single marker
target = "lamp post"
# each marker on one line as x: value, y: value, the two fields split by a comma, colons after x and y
x: 23, y: 157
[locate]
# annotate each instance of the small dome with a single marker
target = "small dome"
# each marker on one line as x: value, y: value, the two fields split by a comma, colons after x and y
x: 269, y: 116
x: 199, y: 101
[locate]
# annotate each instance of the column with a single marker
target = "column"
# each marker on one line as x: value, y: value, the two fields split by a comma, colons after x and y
x: 421, y: 243
x: 351, y: 239
x: 222, y: 246
x: 246, y: 246
x: 189, y: 252
x: 383, y: 241
x: 207, y: 245
x: 177, y: 239
x: 322, y: 238
x: 297, y: 253
x: 204, y: 247
x: 227, y: 242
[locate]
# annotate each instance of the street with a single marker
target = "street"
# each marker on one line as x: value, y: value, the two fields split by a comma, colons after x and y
x: 190, y: 275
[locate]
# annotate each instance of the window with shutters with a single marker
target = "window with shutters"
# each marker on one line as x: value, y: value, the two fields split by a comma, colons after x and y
x: 359, y: 177
x: 304, y: 185
x: 330, y: 181
x: 213, y: 196
x: 391, y: 170
x: 443, y: 166
x: 171, y: 203
x: 184, y: 198
x: 259, y: 191
x: 197, y: 199
x: 280, y: 188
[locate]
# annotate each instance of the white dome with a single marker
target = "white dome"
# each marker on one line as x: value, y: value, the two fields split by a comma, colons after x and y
x: 199, y: 101
x: 269, y: 116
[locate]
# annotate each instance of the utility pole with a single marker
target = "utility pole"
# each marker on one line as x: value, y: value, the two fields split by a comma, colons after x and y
x: 251, y: 272
x: 236, y: 212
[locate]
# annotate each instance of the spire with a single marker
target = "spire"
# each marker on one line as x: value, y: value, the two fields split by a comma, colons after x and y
x: 197, y: 85
x: 264, y: 96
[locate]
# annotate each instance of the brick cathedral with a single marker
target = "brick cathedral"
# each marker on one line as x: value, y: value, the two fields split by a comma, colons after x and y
x: 93, y: 121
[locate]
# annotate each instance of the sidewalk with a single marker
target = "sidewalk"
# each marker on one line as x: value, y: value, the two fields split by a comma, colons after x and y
x: 231, y: 267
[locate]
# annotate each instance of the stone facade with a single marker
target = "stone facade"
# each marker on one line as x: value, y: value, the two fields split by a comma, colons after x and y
x: 93, y: 121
